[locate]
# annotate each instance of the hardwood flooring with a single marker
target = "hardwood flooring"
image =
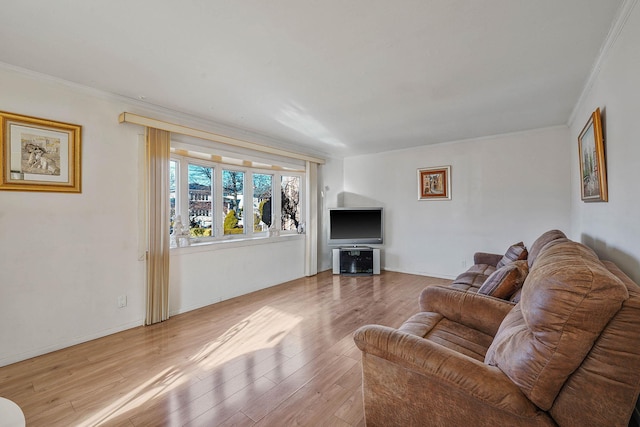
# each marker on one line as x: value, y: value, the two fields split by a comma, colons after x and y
x: 277, y: 357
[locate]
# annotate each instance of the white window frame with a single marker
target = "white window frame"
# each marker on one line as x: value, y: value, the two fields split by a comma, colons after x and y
x: 177, y: 190
x: 218, y: 236
x: 273, y: 200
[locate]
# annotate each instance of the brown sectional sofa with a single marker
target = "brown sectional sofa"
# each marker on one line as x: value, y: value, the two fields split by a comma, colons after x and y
x: 485, y: 264
x: 567, y: 354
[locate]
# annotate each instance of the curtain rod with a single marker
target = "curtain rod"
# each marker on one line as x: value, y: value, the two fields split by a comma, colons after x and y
x: 210, y: 136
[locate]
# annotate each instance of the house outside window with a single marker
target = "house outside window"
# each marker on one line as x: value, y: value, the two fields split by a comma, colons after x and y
x: 200, y: 200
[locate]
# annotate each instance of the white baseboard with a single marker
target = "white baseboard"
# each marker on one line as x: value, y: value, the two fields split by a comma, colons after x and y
x: 15, y: 358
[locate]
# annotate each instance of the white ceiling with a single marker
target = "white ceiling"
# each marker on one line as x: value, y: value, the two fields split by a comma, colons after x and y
x: 338, y: 77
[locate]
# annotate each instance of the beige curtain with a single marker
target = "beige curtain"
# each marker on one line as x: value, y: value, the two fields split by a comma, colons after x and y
x: 158, y: 145
x: 311, y: 241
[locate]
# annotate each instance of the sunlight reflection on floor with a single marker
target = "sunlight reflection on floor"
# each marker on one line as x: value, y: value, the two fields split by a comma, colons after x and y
x: 263, y: 329
x: 155, y: 387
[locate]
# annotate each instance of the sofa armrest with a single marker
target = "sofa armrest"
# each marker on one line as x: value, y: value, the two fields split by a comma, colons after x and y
x: 471, y: 309
x: 486, y: 258
x: 442, y: 370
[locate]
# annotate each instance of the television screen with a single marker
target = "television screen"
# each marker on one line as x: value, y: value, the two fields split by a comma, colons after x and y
x: 355, y: 226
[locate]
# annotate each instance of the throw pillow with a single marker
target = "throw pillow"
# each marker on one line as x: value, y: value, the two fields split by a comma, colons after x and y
x: 516, y: 252
x: 506, y: 280
x: 515, y: 298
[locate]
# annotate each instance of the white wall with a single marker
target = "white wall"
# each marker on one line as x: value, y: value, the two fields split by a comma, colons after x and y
x: 504, y: 189
x: 613, y: 228
x: 330, y: 191
x: 205, y: 275
x: 65, y: 258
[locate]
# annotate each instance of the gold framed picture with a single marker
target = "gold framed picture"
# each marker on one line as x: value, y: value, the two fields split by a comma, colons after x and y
x: 593, y: 172
x: 39, y: 154
x: 434, y: 183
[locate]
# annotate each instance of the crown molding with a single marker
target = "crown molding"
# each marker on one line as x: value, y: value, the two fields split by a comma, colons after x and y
x: 618, y: 25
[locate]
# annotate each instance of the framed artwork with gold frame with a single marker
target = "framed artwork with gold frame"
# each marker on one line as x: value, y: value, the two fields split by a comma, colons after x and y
x: 434, y: 183
x: 593, y: 171
x: 39, y: 154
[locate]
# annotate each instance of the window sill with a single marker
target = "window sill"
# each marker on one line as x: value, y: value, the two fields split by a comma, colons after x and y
x: 213, y: 245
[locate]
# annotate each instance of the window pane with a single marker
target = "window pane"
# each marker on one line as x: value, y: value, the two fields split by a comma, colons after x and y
x: 290, y: 193
x: 172, y: 193
x: 200, y: 200
x: 232, y: 193
x: 262, y: 191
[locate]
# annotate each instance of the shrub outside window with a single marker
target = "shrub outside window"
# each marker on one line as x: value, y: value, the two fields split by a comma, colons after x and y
x: 232, y: 201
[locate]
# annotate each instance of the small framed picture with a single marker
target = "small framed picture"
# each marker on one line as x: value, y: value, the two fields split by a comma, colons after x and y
x: 39, y: 154
x: 434, y: 183
x: 593, y: 172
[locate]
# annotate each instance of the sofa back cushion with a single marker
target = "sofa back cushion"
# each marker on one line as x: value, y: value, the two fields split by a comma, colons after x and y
x: 566, y: 301
x: 603, y: 391
x: 541, y: 242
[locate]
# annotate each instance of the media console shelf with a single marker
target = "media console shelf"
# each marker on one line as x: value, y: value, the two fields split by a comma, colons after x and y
x: 356, y: 261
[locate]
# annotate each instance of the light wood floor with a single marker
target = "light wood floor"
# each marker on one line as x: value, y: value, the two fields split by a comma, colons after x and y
x: 277, y: 357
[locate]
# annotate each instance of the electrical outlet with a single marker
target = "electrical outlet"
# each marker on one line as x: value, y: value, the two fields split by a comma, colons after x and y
x: 122, y: 301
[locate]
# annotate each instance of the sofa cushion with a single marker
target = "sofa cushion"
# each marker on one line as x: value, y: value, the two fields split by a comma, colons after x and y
x: 453, y: 335
x: 567, y: 300
x: 515, y: 252
x: 541, y: 242
x: 506, y: 280
x: 473, y: 278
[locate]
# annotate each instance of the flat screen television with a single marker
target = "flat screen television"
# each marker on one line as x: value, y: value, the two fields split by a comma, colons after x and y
x: 356, y: 226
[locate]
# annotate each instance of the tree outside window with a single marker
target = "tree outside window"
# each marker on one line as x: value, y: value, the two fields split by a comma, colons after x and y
x: 173, y: 165
x: 290, y: 201
x: 232, y: 196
